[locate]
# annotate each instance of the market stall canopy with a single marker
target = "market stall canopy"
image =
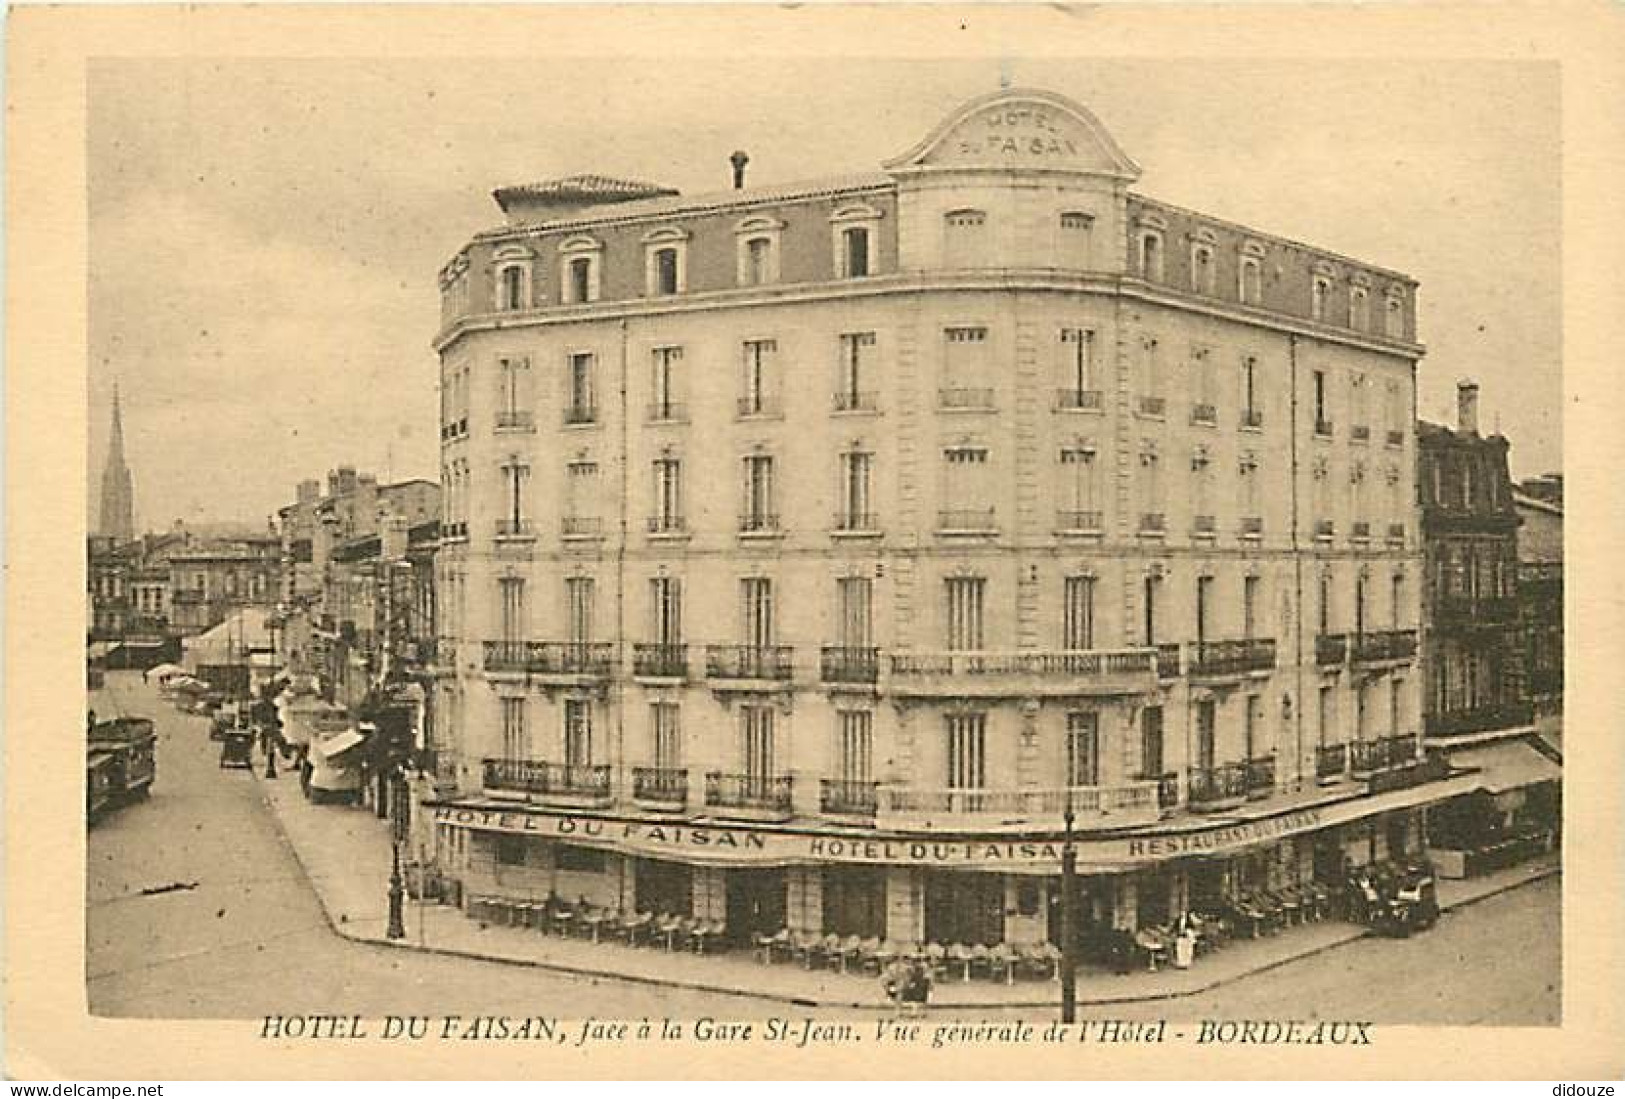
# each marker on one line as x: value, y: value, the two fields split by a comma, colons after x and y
x: 165, y: 671
x: 1509, y: 765
x: 334, y: 747
x: 241, y: 633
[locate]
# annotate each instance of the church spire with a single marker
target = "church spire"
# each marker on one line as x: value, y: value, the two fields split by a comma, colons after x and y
x: 118, y: 504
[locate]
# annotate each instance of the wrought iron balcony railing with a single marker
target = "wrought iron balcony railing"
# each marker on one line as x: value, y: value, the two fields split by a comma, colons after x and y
x: 515, y: 528
x: 659, y: 660
x: 749, y: 661
x: 1384, y: 645
x: 849, y: 664
x: 854, y: 400
x: 735, y: 791
x: 514, y: 419
x: 1204, y: 414
x: 1252, y: 417
x: 1331, y: 760
x: 1252, y: 526
x: 1323, y: 428
x: 1382, y: 753
x: 535, y: 776
x: 1495, y: 715
x: 667, y: 412
x: 759, y: 522
x: 848, y: 797
x: 666, y: 524
x: 581, y: 526
x: 1396, y: 438
x: 1153, y: 522
x: 957, y: 397
x: 1167, y: 660
x: 1048, y: 804
x: 1076, y: 400
x: 580, y: 414
x: 1360, y: 433
x: 856, y: 522
x: 1223, y: 783
x: 1204, y: 526
x: 667, y: 785
x: 1078, y: 522
x: 587, y: 658
x: 1331, y: 649
x: 969, y: 520
x: 1153, y: 406
x: 1260, y: 776
x: 1235, y: 657
x: 1064, y: 663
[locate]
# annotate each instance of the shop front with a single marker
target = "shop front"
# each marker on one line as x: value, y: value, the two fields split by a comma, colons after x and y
x: 1513, y: 814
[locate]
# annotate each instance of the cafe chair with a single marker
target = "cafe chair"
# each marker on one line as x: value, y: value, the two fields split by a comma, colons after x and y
x: 937, y: 958
x: 981, y: 961
x: 959, y: 955
x: 804, y: 948
x: 869, y: 955
x: 1001, y: 962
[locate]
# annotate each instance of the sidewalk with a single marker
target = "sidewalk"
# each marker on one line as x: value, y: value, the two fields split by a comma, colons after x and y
x: 344, y: 851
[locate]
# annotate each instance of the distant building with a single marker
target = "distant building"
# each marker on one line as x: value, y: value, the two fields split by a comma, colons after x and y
x: 118, y: 490
x: 1547, y: 488
x: 1540, y: 594
x: 208, y: 582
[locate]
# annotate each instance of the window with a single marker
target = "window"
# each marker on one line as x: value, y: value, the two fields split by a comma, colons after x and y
x: 1323, y: 422
x: 855, y: 233
x: 513, y: 394
x: 966, y: 491
x: 665, y: 261
x: 1083, y: 748
x: 1080, y: 489
x: 665, y: 736
x: 580, y: 258
x: 581, y: 503
x: 511, y: 599
x: 1206, y: 734
x: 967, y: 751
x: 1201, y: 385
x: 1151, y: 590
x: 1078, y: 613
x: 1250, y: 588
x: 515, y: 475
x: 577, y: 732
x: 966, y: 244
x: 1396, y: 706
x: 665, y: 383
x: 1152, y: 402
x: 757, y: 746
x: 1253, y: 727
x: 1359, y: 308
x: 668, y: 491
x: 851, y: 394
x: 1393, y: 317
x: 759, y: 513
x: 1151, y: 255
x: 1151, y: 742
x: 580, y: 400
x: 759, y: 395
x: 1359, y: 604
x: 511, y: 850
x: 966, y: 368
x: 856, y: 510
x: 666, y: 610
x: 1251, y: 414
x: 1250, y: 276
x: 854, y: 612
x: 756, y: 594
x: 1328, y: 717
x: 1204, y: 608
x: 1362, y: 724
x: 965, y: 595
x: 854, y: 745
x: 573, y: 858
x: 1075, y: 376
x: 1397, y: 600
x: 758, y: 251
x: 1204, y: 271
x: 515, y: 742
x: 1320, y: 293
x: 578, y: 608
x: 511, y: 288
x: 1152, y: 516
x: 1326, y: 615
x: 1074, y: 242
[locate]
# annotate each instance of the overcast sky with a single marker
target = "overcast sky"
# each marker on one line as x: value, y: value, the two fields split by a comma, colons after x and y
x: 265, y: 235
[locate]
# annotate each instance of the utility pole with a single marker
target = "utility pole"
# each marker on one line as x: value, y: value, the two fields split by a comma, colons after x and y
x: 1069, y: 920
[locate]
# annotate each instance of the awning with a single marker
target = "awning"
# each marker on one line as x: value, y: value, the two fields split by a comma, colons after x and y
x: 1510, y: 765
x: 335, y: 746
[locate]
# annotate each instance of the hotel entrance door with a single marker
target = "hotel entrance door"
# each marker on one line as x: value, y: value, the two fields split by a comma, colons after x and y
x: 756, y: 904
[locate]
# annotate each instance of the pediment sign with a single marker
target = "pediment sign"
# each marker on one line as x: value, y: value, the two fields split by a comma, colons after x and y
x: 1020, y: 130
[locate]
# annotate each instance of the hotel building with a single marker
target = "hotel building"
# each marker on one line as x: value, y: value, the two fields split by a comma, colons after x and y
x: 809, y: 549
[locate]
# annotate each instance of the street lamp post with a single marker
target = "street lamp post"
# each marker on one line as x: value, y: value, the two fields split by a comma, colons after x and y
x: 397, y: 887
x: 1069, y: 920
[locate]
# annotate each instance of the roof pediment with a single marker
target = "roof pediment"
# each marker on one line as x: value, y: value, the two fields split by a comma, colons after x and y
x: 1020, y: 129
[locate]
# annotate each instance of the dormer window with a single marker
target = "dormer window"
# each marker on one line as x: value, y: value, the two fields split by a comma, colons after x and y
x: 1250, y: 276
x: 758, y: 258
x: 579, y: 261
x: 665, y: 270
x: 1320, y: 295
x: 1359, y: 308
x: 1204, y: 272
x: 1151, y: 255
x: 855, y: 238
x: 1393, y: 317
x: 512, y: 265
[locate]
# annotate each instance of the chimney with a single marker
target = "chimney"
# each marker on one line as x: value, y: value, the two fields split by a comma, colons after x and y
x: 309, y: 491
x: 1467, y: 406
x: 739, y: 160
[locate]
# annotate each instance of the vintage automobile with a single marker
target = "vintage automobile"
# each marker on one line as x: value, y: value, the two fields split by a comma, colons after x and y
x: 121, y: 763
x: 237, y: 747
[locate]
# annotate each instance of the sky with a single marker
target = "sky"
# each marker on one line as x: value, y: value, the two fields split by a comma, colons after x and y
x: 265, y: 234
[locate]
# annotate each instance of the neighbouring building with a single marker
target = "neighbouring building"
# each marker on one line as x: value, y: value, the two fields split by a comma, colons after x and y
x: 809, y: 549
x: 210, y: 580
x: 1540, y: 596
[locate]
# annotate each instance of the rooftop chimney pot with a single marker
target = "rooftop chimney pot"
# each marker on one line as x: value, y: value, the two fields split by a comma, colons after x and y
x: 739, y: 159
x: 1467, y: 406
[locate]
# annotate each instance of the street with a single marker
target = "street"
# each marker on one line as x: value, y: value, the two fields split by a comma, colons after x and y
x: 197, y: 909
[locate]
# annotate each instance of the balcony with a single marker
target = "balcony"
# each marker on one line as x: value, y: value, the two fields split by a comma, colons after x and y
x: 966, y: 521
x: 1077, y: 400
x: 1243, y: 656
x: 758, y: 795
x: 1167, y: 789
x: 1204, y: 526
x: 1324, y: 530
x: 769, y: 662
x: 1217, y: 787
x: 1078, y: 522
x: 666, y: 786
x: 1384, y: 645
x: 1153, y: 524
x: 581, y: 659
x: 515, y: 420
x: 849, y: 664
x: 906, y: 808
x: 1153, y: 406
x: 1331, y: 649
x: 666, y: 412
x: 1396, y: 438
x: 1252, y: 419
x: 758, y: 407
x: 852, y: 400
x: 856, y: 522
x: 1396, y: 534
x: 581, y: 526
x: 515, y: 529
x: 1252, y: 527
x: 1167, y: 660
x: 580, y: 414
x: 573, y: 782
x: 655, y: 660
x: 1260, y: 777
x: 961, y: 398
x: 1481, y: 612
x: 1366, y: 756
x: 1331, y: 761
x: 1360, y: 533
x: 1359, y: 433
x: 1478, y: 719
x: 987, y: 674
x: 1323, y: 429
x: 848, y: 797
x: 1204, y: 415
x: 667, y: 525
x: 759, y: 523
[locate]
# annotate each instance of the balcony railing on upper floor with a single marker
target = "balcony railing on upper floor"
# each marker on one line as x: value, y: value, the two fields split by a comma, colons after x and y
x: 1481, y: 611
x: 856, y: 522
x: 1360, y: 532
x: 1478, y: 719
x: 1168, y: 660
x: 513, y: 419
x: 1396, y: 437
x: 1223, y: 783
x: 577, y: 658
x: 774, y: 662
x: 581, y: 526
x: 544, y: 777
x: 1204, y: 414
x: 1331, y: 649
x: 1153, y: 406
x: 1078, y: 400
x: 848, y: 797
x: 854, y: 400
x: 660, y: 660
x: 1323, y: 428
x: 1204, y: 526
x: 1234, y: 657
x: 1252, y: 418
x: 1379, y: 645
x: 667, y: 412
x: 759, y: 406
x: 966, y: 521
x: 758, y: 522
x: 768, y: 793
x: 1331, y: 761
x: 515, y: 528
x: 1384, y: 752
x: 1252, y: 526
x: 1078, y: 522
x: 1129, y: 802
x: 979, y: 398
x: 1396, y: 534
x: 1153, y: 522
x: 1360, y: 433
x: 666, y: 524
x: 849, y: 664
x: 663, y: 785
x: 1260, y: 776
x: 580, y: 414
